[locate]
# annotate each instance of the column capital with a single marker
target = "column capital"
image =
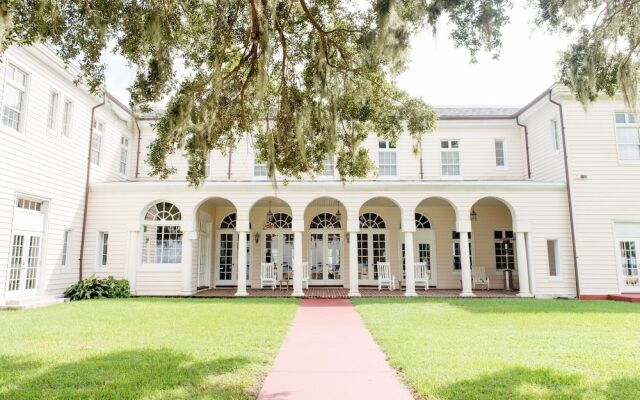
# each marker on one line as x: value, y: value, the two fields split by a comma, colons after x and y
x: 353, y: 225
x: 190, y: 235
x: 242, y: 225
x: 463, y: 226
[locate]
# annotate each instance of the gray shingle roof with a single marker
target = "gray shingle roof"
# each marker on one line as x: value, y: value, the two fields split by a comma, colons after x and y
x: 470, y: 112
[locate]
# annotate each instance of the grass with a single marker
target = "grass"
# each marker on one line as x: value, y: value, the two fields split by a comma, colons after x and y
x: 508, y: 348
x: 142, y: 348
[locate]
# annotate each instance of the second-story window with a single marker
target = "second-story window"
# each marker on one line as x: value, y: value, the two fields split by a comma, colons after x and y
x: 555, y: 139
x: 66, y: 117
x: 124, y: 155
x: 259, y: 168
x: 327, y: 167
x: 52, y: 117
x: 387, y: 158
x: 96, y: 141
x: 500, y: 155
x: 628, y: 137
x: 13, y: 101
x: 450, y: 157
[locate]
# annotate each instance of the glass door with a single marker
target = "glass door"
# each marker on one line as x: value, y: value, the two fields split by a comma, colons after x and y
x: 24, y: 263
x: 226, y: 248
x: 372, y: 249
x: 423, y: 251
x: 629, y: 264
x: 333, y: 264
x: 278, y: 249
x: 316, y: 259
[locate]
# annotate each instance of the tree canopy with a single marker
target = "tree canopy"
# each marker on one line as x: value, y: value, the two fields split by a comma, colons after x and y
x: 304, y: 80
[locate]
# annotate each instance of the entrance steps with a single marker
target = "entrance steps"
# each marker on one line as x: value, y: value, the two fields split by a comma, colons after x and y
x: 31, y: 302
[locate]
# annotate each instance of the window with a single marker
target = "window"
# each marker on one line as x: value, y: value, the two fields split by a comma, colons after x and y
x: 457, y: 264
x: 327, y: 167
x: 555, y: 140
x: 628, y: 258
x: 96, y: 141
x: 552, y: 256
x: 450, y: 157
x: 66, y: 248
x: 52, y: 117
x: 228, y: 222
x: 66, y: 117
x: 500, y: 155
x: 279, y: 221
x: 259, y: 168
x: 387, y: 160
x: 124, y: 155
x: 422, y: 222
x: 505, y: 250
x: 628, y: 137
x: 207, y: 166
x: 13, y: 101
x: 162, y: 237
x: 103, y: 249
x: 372, y: 221
x: 325, y: 221
x: 29, y: 204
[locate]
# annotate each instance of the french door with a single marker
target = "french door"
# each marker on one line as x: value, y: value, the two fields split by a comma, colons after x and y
x: 628, y: 261
x: 372, y: 249
x: 325, y: 258
x: 278, y: 249
x: 24, y: 263
x: 227, y: 258
x: 204, y: 255
x: 423, y: 251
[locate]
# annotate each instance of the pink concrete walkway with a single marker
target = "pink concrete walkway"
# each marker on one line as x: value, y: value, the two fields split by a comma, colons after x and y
x: 330, y: 355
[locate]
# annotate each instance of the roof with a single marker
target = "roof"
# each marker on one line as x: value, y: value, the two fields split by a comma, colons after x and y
x: 476, y: 112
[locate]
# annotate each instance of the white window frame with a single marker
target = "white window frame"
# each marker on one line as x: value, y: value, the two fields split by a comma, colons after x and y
x: 328, y: 169
x: 635, y: 124
x: 147, y: 264
x: 558, y: 265
x: 102, y: 250
x: 124, y: 149
x: 261, y: 166
x: 22, y: 120
x: 504, y: 153
x: 472, y: 252
x: 67, y: 117
x: 450, y: 149
x: 98, y: 135
x: 53, y: 111
x: 386, y: 147
x: 67, y: 240
x: 555, y: 137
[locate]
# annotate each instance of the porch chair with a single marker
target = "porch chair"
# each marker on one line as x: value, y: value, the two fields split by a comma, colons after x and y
x: 305, y: 275
x: 421, y: 274
x: 384, y: 276
x: 479, y: 277
x: 268, y: 275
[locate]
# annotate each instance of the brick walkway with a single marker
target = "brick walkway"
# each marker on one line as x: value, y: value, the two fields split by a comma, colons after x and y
x: 343, y: 293
x: 330, y: 355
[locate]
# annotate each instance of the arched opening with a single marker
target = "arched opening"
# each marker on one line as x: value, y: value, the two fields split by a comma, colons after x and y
x: 378, y: 238
x: 161, y: 235
x: 325, y: 244
x: 494, y: 240
x: 271, y: 221
x: 217, y: 243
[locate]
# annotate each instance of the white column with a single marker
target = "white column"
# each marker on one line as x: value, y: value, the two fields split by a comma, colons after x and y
x: 523, y: 267
x: 465, y: 264
x: 297, y: 265
x: 242, y: 264
x: 409, y: 267
x: 132, y: 258
x: 187, y: 262
x: 353, y: 265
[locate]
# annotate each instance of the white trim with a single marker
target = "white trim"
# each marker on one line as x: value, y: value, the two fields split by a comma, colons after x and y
x: 22, y: 123
x: 457, y: 150
x: 505, y: 163
x: 99, y: 250
x: 558, y: 276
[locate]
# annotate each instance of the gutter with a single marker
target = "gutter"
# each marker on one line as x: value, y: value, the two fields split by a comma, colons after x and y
x: 139, y: 140
x: 86, y: 186
x: 526, y: 143
x: 569, y: 198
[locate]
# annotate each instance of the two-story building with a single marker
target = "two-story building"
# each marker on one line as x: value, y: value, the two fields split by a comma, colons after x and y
x: 547, y: 191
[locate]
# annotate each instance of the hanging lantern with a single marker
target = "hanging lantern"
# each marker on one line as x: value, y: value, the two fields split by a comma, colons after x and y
x: 269, y: 214
x: 474, y: 215
x: 338, y: 215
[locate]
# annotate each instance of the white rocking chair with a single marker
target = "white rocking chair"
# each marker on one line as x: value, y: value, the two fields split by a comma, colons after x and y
x: 268, y: 275
x: 479, y: 277
x: 421, y: 274
x: 384, y: 276
x: 305, y: 275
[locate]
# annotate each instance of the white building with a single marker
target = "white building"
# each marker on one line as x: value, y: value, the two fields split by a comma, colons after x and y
x: 496, y: 188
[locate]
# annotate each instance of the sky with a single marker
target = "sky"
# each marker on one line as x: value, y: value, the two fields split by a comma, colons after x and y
x: 443, y: 75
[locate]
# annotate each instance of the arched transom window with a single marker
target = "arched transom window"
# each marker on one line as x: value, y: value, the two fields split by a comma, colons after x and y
x: 371, y: 221
x: 279, y: 221
x: 162, y: 237
x: 228, y: 222
x: 325, y: 221
x: 422, y: 222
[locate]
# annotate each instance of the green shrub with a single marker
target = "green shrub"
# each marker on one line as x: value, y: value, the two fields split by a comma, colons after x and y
x: 98, y: 288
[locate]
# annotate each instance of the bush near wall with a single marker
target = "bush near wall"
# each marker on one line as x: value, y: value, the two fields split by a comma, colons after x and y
x: 98, y: 288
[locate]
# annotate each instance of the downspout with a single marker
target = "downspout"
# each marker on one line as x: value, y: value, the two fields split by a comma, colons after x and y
x: 86, y: 187
x: 526, y: 143
x: 421, y: 166
x: 139, y: 140
x: 229, y: 166
x: 569, y: 198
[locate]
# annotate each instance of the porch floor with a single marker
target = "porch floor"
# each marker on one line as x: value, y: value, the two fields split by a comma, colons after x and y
x: 343, y: 293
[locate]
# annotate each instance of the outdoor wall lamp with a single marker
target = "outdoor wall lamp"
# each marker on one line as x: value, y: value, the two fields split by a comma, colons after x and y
x: 256, y: 237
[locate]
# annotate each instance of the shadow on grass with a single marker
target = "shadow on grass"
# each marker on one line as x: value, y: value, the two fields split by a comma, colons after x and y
x: 515, y: 305
x: 132, y: 374
x: 539, y: 384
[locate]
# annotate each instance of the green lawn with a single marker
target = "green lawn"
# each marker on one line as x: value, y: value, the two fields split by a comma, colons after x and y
x: 510, y: 348
x: 142, y: 348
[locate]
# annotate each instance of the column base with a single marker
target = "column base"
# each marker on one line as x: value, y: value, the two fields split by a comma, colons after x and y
x: 354, y: 294
x: 297, y: 294
x: 410, y: 294
x: 525, y: 295
x: 241, y: 294
x: 467, y: 294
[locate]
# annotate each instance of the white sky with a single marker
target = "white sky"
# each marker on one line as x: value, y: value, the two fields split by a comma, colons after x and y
x: 443, y: 75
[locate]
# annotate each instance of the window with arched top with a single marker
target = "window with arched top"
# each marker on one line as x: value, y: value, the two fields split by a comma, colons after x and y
x: 422, y: 222
x: 162, y: 237
x: 371, y: 221
x: 325, y: 221
x: 228, y: 222
x: 280, y: 221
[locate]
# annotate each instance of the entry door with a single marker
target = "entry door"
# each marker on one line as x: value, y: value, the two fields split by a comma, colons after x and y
x: 204, y: 255
x: 423, y: 251
x: 278, y: 249
x: 325, y: 258
x: 628, y: 261
x: 24, y: 263
x: 372, y: 249
x: 227, y: 259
